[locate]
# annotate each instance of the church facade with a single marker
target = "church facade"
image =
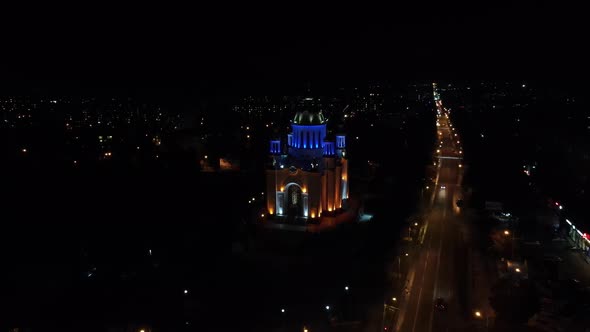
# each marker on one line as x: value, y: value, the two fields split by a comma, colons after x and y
x: 307, y: 177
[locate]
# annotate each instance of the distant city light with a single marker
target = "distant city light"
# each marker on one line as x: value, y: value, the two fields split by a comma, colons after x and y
x: 24, y: 150
x: 345, y: 287
x: 283, y: 310
x: 327, y: 307
x: 262, y: 215
x: 186, y: 291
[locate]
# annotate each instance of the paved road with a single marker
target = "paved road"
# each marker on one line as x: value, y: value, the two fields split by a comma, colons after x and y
x: 440, y: 264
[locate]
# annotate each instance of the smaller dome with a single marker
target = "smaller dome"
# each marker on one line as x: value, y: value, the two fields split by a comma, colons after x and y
x: 309, y: 118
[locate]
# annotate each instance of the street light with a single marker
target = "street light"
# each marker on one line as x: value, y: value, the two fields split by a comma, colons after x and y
x: 328, y: 307
x: 346, y: 288
x: 283, y: 310
x: 506, y: 232
x: 479, y: 314
x: 407, y: 254
x: 394, y: 299
x: 517, y: 270
x: 415, y: 224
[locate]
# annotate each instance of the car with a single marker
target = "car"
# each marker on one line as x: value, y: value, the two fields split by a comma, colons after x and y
x: 440, y: 304
x: 532, y: 243
x: 574, y: 248
x: 552, y: 258
x: 443, y: 187
x: 502, y: 216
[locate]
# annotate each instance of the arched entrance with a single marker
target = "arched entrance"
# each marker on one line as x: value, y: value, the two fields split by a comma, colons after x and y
x: 294, y: 201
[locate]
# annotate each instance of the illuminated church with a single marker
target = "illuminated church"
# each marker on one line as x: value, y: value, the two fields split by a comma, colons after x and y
x: 307, y: 178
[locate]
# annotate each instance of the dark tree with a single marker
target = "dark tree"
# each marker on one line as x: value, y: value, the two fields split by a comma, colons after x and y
x: 514, y: 301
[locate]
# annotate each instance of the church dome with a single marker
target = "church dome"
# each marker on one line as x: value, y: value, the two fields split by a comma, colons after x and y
x: 309, y: 114
x: 309, y: 118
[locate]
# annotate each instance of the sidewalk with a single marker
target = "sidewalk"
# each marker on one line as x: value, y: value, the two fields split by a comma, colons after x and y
x: 481, y: 268
x: 574, y: 265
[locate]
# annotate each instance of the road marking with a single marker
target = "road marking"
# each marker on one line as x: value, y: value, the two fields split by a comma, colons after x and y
x: 404, y: 308
x: 424, y: 229
x: 434, y: 294
x: 417, y: 310
x: 420, y: 292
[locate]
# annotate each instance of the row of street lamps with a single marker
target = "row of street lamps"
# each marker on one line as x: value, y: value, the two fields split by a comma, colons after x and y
x: 327, y: 308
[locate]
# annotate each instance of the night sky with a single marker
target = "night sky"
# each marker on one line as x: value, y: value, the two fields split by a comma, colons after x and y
x: 234, y: 47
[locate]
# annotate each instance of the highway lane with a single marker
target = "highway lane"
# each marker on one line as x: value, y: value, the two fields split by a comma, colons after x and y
x: 439, y: 266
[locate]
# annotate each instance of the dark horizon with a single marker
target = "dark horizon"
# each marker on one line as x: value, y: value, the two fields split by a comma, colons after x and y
x: 162, y: 47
